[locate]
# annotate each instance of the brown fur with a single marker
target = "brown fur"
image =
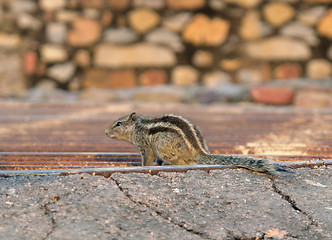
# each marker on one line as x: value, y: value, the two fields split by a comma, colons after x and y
x: 175, y: 140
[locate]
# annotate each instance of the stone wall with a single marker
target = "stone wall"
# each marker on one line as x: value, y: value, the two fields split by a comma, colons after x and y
x: 112, y: 44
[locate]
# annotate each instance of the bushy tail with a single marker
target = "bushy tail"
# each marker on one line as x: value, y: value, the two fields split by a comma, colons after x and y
x: 262, y: 165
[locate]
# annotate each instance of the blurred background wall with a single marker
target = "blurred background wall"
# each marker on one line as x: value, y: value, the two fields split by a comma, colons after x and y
x: 275, y: 52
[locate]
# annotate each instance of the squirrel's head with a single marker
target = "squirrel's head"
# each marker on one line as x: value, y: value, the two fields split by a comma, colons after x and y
x: 123, y: 128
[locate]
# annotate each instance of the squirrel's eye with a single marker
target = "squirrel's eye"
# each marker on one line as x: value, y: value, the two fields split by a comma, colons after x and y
x: 118, y: 123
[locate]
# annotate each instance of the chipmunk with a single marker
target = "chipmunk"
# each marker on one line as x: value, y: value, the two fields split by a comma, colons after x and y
x: 176, y: 141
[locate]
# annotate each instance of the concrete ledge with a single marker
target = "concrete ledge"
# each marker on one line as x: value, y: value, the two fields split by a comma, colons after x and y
x: 221, y: 204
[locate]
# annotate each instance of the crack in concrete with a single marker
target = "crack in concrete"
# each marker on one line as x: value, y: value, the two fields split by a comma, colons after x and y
x: 48, y: 213
x: 293, y: 204
x: 158, y: 213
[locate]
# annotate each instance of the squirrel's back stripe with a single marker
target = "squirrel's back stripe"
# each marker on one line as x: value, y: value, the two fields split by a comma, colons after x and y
x: 200, y: 137
x: 156, y: 130
x: 191, y: 132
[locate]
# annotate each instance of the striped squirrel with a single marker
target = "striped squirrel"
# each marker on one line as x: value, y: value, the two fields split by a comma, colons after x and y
x: 176, y: 141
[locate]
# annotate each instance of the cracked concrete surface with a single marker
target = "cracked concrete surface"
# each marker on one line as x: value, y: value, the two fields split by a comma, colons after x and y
x: 221, y: 204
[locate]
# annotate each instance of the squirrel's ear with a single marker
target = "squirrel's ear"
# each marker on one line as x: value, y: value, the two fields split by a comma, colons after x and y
x: 133, y: 116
